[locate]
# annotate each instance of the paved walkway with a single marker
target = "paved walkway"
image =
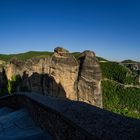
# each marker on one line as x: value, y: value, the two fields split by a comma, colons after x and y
x: 17, y: 125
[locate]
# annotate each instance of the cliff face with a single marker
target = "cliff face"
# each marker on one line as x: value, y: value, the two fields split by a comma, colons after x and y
x: 89, y: 84
x: 60, y: 75
x: 64, y: 68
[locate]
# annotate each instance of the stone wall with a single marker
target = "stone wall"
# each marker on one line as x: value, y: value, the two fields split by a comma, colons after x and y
x: 59, y: 126
x: 74, y: 120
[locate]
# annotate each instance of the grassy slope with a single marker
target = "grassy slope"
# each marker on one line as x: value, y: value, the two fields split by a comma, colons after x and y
x: 24, y: 56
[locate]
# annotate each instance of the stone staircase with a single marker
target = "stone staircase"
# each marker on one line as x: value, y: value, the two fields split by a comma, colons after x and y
x: 18, y: 125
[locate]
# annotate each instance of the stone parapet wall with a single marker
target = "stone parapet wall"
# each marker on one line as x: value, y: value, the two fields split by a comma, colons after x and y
x: 74, y: 120
x: 47, y: 118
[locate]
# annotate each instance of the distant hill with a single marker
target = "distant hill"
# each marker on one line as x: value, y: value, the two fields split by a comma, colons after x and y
x: 129, y: 61
x: 24, y: 56
x: 101, y: 59
x: 31, y: 54
x: 76, y: 54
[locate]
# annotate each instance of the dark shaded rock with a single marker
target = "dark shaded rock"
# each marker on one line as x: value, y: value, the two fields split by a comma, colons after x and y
x: 3, y: 82
x: 51, y: 88
x: 89, y: 80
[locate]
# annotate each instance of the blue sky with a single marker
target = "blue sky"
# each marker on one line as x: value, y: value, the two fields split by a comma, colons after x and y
x: 111, y: 28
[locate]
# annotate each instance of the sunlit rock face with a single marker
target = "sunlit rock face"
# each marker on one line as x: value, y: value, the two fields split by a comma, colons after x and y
x: 61, y: 75
x: 64, y: 68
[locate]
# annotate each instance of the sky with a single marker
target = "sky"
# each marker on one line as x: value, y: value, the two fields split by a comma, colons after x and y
x: 110, y: 28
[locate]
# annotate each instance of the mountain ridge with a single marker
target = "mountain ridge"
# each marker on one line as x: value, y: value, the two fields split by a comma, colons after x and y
x: 30, y: 54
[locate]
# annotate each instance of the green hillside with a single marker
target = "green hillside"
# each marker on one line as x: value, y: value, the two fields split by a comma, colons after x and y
x: 101, y: 59
x: 31, y: 54
x: 129, y: 61
x: 24, y: 56
x: 119, y: 73
x: 121, y: 100
x: 121, y: 90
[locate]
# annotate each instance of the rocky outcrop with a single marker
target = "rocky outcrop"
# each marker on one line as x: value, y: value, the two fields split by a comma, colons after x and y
x: 134, y: 67
x: 89, y: 83
x: 60, y: 75
x: 64, y: 68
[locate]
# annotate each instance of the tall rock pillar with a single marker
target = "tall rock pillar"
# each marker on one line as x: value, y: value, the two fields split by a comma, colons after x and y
x: 89, y: 80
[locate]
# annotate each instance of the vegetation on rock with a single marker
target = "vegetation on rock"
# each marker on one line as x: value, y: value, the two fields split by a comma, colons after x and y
x: 13, y: 83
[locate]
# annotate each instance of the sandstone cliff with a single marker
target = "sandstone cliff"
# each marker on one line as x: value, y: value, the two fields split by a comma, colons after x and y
x: 60, y: 75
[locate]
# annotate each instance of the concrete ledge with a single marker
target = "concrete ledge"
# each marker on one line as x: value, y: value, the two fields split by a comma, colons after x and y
x: 73, y: 120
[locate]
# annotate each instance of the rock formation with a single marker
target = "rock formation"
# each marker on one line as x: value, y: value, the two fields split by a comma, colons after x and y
x: 64, y: 69
x: 134, y: 67
x: 89, y: 84
x: 60, y: 75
